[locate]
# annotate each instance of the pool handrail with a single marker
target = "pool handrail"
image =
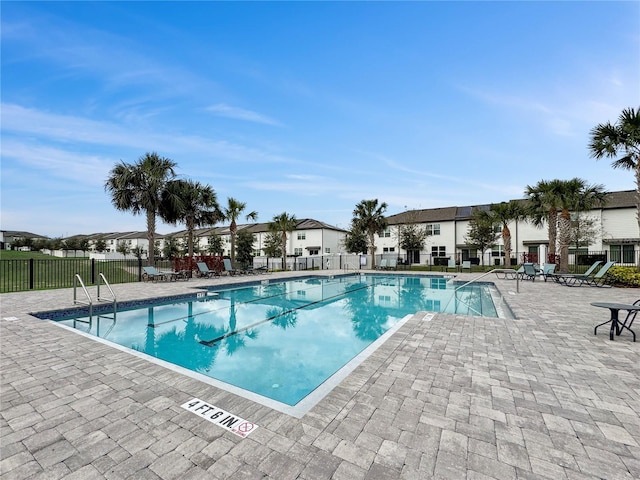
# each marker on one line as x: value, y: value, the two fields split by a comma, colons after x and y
x: 89, y: 302
x: 494, y: 270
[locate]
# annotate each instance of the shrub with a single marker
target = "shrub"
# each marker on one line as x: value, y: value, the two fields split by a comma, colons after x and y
x: 625, y: 276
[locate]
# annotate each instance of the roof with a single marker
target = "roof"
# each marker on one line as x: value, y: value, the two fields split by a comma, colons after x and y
x: 622, y: 199
x: 303, y: 224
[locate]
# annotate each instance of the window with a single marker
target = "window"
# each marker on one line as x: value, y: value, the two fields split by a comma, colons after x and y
x: 297, y: 252
x: 386, y: 233
x: 497, y: 251
x: 440, y: 251
x: 432, y: 305
x: 327, y: 250
x: 313, y: 252
x: 302, y: 235
x: 433, y: 228
x: 384, y: 298
x: 622, y: 253
x: 388, y: 249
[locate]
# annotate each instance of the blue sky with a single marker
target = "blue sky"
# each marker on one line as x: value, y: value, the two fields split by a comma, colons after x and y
x: 306, y: 107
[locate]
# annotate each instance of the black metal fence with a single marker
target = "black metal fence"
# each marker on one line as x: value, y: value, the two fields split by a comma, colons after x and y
x: 38, y: 274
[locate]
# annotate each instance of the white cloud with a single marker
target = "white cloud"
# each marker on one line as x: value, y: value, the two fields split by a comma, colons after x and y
x: 224, y: 110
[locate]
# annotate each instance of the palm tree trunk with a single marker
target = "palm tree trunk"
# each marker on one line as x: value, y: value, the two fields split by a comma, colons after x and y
x: 190, y: 228
x: 372, y: 250
x: 553, y: 230
x: 506, y: 239
x: 565, y: 238
x: 151, y: 236
x: 284, y: 251
x: 233, y: 228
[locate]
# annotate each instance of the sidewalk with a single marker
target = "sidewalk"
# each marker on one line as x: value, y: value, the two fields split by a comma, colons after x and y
x: 538, y: 397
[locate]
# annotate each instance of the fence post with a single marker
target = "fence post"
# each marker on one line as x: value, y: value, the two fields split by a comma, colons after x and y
x: 93, y: 271
x: 139, y: 269
x: 31, y: 260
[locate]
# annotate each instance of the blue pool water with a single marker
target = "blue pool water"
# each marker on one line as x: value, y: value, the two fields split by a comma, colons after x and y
x: 280, y: 340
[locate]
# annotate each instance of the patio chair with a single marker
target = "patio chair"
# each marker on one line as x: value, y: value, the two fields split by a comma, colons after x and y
x: 466, y: 265
x: 565, y: 277
x: 598, y: 280
x: 392, y: 264
x: 451, y: 263
x: 153, y: 274
x: 382, y: 265
x: 528, y: 272
x: 228, y: 268
x: 547, y: 270
x: 204, y: 271
x: 631, y: 316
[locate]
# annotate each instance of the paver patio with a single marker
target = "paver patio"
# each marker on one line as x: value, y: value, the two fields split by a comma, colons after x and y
x: 451, y: 398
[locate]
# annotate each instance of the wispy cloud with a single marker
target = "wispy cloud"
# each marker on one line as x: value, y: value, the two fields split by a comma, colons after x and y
x: 228, y: 111
x: 65, y: 129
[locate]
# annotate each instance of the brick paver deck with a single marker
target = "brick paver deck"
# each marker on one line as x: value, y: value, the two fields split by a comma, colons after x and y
x: 453, y: 398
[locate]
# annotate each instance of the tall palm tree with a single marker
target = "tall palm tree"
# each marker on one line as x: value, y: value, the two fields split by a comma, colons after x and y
x: 283, y: 224
x: 544, y: 206
x: 620, y: 140
x: 231, y: 213
x: 505, y: 212
x: 139, y: 188
x: 192, y: 203
x: 368, y: 217
x: 574, y: 196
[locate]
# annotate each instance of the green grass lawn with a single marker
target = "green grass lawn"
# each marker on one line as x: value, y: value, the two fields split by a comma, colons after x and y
x: 21, y: 271
x: 15, y: 255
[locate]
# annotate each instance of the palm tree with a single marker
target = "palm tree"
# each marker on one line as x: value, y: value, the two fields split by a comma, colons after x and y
x: 139, y: 188
x: 574, y: 196
x: 623, y: 138
x: 504, y: 213
x: 283, y: 224
x: 231, y: 213
x: 544, y: 205
x: 192, y: 203
x: 368, y: 217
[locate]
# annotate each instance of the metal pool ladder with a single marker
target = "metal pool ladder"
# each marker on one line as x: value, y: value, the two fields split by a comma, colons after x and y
x: 89, y: 301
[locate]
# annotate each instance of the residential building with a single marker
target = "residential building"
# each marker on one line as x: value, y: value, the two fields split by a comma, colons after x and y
x: 311, y: 237
x: 8, y: 237
x: 615, y: 234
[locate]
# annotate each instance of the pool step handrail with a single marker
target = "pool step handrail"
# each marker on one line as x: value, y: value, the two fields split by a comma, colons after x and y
x: 487, y: 273
x: 346, y: 266
x: 113, y: 300
x: 475, y: 280
x: 78, y: 279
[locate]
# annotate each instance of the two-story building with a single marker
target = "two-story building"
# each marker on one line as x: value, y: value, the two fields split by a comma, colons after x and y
x: 615, y: 233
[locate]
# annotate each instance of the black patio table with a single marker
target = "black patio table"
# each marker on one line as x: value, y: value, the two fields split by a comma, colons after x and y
x: 616, y: 326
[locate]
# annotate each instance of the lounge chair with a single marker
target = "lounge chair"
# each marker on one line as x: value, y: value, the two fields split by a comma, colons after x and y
x: 153, y: 274
x: 509, y: 273
x: 528, y: 272
x: 382, y: 265
x: 466, y: 265
x: 547, y: 270
x: 598, y: 280
x: 228, y: 268
x: 564, y: 277
x: 204, y: 271
x: 392, y: 264
x: 451, y: 264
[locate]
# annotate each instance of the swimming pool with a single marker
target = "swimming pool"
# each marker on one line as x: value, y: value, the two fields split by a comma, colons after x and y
x: 280, y: 340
